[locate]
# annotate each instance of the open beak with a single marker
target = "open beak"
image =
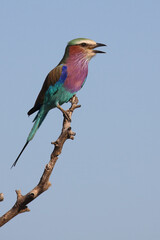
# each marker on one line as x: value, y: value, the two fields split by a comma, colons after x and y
x: 99, y: 45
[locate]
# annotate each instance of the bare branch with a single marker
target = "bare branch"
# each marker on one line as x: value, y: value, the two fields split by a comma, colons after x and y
x: 21, y: 204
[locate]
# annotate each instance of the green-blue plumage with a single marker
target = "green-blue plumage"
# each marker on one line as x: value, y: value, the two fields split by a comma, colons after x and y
x: 61, y: 96
x: 55, y: 95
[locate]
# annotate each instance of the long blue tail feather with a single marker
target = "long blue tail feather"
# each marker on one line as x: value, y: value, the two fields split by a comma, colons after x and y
x: 38, y: 121
x: 14, y: 164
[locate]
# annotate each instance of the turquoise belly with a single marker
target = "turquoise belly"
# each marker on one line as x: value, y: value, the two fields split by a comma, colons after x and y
x: 63, y: 96
x: 56, y: 96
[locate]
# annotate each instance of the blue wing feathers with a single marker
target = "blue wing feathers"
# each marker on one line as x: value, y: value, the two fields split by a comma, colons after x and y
x: 63, y: 74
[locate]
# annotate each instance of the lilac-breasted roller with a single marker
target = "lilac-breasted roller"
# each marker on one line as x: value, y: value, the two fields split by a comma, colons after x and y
x: 61, y: 83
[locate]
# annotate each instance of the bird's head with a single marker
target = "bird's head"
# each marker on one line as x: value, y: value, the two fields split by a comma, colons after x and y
x: 83, y: 47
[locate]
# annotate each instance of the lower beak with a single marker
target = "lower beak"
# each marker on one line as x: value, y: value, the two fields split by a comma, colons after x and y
x: 99, y: 45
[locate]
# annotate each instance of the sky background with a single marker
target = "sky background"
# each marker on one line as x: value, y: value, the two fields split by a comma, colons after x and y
x: 105, y: 184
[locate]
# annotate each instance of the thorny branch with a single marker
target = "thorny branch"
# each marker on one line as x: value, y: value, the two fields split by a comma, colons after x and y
x: 22, y: 200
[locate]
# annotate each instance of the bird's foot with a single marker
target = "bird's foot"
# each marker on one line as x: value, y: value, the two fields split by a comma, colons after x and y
x: 65, y: 113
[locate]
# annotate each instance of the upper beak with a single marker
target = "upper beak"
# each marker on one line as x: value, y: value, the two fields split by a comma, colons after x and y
x: 99, y: 45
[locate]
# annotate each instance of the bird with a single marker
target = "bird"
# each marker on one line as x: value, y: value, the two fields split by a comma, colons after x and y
x: 62, y: 82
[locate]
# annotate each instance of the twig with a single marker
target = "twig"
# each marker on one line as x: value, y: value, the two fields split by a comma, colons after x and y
x: 22, y: 200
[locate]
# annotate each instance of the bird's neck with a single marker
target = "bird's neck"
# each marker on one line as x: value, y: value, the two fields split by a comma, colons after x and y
x: 77, y: 61
x: 76, y: 56
x: 77, y: 68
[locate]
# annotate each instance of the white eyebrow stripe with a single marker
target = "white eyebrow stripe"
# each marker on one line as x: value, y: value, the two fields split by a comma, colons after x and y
x: 81, y: 40
x: 87, y: 41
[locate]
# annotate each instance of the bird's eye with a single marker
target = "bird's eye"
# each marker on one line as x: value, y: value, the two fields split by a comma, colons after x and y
x: 83, y: 44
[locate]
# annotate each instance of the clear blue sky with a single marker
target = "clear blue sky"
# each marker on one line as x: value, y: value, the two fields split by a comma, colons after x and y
x: 106, y: 182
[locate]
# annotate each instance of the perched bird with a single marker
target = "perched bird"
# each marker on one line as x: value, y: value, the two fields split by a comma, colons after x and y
x: 61, y: 83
